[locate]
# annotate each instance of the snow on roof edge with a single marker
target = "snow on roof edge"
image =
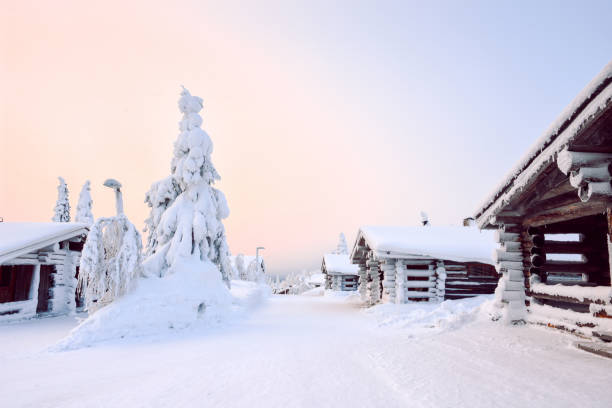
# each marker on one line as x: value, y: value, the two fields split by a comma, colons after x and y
x: 596, y: 86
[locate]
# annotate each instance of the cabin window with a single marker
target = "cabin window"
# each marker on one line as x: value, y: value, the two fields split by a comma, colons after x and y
x: 15, y: 282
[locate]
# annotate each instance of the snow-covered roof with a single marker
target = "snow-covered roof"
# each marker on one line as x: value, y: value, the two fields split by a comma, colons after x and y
x: 592, y: 100
x: 18, y: 238
x: 451, y: 243
x: 339, y: 264
x: 316, y: 278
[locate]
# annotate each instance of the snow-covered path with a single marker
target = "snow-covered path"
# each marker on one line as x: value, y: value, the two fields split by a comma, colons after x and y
x: 305, y: 352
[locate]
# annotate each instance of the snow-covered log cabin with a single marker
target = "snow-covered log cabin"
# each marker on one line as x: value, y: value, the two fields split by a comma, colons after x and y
x: 340, y: 274
x: 553, y: 217
x: 39, y: 263
x: 426, y: 263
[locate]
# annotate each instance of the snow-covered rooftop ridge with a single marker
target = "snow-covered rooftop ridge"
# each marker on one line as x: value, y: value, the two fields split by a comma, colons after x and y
x: 17, y: 238
x: 451, y: 243
x: 339, y: 264
x: 594, y: 88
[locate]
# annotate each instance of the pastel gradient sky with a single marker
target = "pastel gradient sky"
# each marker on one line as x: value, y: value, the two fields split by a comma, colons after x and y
x: 325, y: 115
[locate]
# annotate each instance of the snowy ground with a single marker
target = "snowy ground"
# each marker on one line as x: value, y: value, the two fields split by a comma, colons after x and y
x: 309, y: 351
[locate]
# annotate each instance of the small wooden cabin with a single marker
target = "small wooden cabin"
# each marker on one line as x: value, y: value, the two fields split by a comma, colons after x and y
x: 426, y: 263
x: 553, y: 217
x: 340, y: 274
x: 38, y: 268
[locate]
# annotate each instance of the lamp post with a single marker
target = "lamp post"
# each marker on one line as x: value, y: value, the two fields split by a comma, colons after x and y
x: 116, y: 186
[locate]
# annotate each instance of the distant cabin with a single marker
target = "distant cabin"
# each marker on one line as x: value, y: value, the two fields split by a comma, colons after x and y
x: 38, y: 268
x: 425, y: 263
x: 340, y: 274
x: 553, y: 218
x: 316, y: 280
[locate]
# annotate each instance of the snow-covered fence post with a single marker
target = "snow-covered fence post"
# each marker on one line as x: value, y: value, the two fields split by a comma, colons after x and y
x: 388, y: 283
x: 400, y: 281
x: 440, y: 281
x: 363, y: 281
x: 374, y: 284
x: 511, y: 287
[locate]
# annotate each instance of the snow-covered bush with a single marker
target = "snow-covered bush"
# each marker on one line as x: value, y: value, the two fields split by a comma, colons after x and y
x: 84, y: 213
x: 61, y: 212
x: 189, y: 225
x: 110, y: 261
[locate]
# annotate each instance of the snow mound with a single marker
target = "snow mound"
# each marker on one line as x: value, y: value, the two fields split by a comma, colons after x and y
x: 314, y: 292
x: 192, y: 295
x: 422, y: 316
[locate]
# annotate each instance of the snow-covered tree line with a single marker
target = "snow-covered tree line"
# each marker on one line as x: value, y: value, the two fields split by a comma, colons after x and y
x: 61, y: 211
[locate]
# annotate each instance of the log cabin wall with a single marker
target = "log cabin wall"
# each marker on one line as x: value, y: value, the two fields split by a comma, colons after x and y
x: 51, y: 276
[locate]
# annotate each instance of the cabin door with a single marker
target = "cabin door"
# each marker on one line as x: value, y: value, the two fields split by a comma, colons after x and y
x: 44, y: 288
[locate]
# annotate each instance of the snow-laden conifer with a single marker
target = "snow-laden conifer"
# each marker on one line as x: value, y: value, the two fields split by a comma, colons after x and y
x: 61, y: 212
x: 191, y: 225
x: 342, y: 248
x: 84, y: 213
x: 241, y: 271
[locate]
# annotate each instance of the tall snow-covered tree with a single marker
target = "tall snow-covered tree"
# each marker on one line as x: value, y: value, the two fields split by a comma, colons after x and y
x: 240, y: 267
x: 61, y: 212
x: 342, y: 248
x: 191, y: 225
x: 84, y: 213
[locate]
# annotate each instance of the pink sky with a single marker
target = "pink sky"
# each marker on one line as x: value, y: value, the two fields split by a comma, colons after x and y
x: 319, y: 125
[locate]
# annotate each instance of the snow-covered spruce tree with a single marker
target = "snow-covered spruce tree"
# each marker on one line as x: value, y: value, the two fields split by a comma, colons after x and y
x: 191, y: 226
x: 61, y: 212
x: 342, y: 248
x: 84, y: 213
x: 110, y: 262
x: 160, y: 196
x: 240, y: 267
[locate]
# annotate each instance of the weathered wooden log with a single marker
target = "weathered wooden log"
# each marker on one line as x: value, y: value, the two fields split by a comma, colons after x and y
x: 419, y: 272
x: 597, y: 190
x: 515, y: 275
x: 418, y: 294
x: 584, y: 175
x: 501, y: 255
x: 511, y: 246
x: 538, y: 260
x: 538, y: 240
x: 507, y: 265
x: 501, y: 236
x: 420, y: 284
x: 570, y: 267
x: 571, y: 161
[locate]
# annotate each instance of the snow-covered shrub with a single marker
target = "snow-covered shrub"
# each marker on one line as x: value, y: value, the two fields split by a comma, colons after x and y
x: 110, y: 261
x: 61, y: 212
x: 84, y: 213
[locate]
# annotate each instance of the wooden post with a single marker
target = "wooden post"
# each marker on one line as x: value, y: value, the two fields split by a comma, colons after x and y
x: 609, y: 213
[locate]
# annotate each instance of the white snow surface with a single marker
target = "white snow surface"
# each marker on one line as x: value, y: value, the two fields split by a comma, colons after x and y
x: 192, y: 295
x: 317, y: 351
x: 340, y: 264
x: 453, y: 243
x: 16, y: 235
x: 603, y: 293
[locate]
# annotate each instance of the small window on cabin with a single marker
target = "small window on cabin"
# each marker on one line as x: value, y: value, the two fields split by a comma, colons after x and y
x: 5, y: 276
